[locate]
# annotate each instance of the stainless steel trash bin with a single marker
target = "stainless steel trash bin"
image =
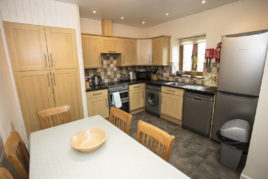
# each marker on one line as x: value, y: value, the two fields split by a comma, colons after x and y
x: 234, y: 136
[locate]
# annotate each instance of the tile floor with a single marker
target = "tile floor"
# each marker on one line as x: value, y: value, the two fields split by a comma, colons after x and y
x: 196, y: 156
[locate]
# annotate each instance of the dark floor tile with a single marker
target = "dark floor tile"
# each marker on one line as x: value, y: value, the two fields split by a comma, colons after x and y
x: 195, y: 155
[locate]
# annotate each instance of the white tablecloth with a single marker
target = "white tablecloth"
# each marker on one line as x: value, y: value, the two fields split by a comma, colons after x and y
x: 121, y: 156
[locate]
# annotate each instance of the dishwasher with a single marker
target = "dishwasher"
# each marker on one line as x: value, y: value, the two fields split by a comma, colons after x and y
x: 197, y: 111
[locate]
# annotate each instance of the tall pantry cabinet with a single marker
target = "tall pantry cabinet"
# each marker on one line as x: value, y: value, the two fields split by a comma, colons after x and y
x: 44, y: 61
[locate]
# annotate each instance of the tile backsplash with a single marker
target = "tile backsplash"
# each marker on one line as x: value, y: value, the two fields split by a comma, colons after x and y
x: 111, y: 73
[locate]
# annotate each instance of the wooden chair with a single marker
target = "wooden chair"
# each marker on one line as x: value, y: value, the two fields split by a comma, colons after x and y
x: 121, y: 119
x: 155, y: 139
x: 4, y: 174
x: 54, y: 116
x: 17, y: 154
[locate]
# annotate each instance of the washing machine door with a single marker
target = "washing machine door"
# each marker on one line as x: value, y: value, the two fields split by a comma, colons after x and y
x: 152, y: 99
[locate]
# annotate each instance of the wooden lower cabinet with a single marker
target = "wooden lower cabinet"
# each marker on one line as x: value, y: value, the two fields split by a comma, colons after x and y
x: 67, y: 90
x: 137, y: 98
x: 172, y: 103
x: 40, y: 90
x: 35, y: 93
x: 97, y: 103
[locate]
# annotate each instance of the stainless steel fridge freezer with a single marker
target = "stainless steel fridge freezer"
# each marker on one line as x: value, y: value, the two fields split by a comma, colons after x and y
x: 243, y: 58
x: 242, y: 63
x: 232, y: 106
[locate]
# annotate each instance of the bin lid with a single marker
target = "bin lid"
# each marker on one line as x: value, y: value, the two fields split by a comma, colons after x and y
x: 236, y: 129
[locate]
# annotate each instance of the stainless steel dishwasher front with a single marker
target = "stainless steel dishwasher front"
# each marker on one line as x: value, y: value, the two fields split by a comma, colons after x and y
x: 197, y: 111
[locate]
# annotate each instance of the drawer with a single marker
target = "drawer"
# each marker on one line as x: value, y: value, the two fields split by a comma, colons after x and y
x: 98, y: 93
x: 172, y: 91
x: 137, y: 87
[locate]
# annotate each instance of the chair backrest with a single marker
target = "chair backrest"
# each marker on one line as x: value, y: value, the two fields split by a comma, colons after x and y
x: 4, y: 174
x: 54, y: 116
x: 121, y: 119
x: 17, y: 154
x: 155, y: 139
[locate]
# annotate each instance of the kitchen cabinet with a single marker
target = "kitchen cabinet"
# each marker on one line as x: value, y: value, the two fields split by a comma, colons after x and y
x: 128, y: 53
x: 27, y: 46
x: 172, y: 103
x: 61, y: 46
x: 47, y: 75
x: 111, y: 45
x: 91, y: 51
x: 137, y: 98
x: 144, y: 52
x: 35, y: 93
x: 161, y: 51
x: 66, y: 88
x: 97, y: 103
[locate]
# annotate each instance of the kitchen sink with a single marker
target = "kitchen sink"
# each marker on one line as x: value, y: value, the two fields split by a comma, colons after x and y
x: 194, y: 87
x: 175, y: 83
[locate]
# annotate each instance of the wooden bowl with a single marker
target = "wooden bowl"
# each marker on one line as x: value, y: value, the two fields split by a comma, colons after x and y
x: 88, y: 140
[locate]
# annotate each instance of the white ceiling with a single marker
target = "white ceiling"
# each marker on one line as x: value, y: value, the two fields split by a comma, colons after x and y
x: 150, y: 11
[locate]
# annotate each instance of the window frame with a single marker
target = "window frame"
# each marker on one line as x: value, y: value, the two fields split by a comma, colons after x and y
x: 194, y: 41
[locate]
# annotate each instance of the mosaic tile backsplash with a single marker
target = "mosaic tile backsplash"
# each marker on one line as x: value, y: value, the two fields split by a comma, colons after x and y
x: 111, y: 73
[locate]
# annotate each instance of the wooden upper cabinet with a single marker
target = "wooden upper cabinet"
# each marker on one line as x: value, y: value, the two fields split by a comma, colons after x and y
x: 161, y: 51
x: 111, y: 45
x: 62, y: 49
x: 27, y: 46
x: 144, y: 52
x: 66, y: 85
x: 128, y: 54
x: 35, y: 93
x: 91, y: 51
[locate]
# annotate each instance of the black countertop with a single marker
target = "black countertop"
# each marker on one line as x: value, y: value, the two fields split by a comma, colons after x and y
x: 185, y: 86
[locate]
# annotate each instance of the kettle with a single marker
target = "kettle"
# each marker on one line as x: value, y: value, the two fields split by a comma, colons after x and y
x: 97, y: 80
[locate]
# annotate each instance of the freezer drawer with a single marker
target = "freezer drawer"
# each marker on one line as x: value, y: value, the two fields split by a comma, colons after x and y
x: 197, y: 111
x: 229, y: 106
x: 242, y: 62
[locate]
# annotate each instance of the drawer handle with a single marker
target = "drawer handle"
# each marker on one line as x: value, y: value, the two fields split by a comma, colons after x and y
x: 95, y: 94
x: 171, y: 91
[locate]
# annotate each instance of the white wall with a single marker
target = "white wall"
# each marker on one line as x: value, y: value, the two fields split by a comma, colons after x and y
x: 48, y: 13
x: 257, y: 160
x: 91, y: 26
x: 240, y: 16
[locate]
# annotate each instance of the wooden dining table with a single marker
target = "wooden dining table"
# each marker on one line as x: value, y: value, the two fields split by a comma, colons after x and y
x: 121, y: 156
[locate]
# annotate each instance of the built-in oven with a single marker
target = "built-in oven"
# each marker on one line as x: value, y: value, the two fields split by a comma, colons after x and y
x: 123, y: 92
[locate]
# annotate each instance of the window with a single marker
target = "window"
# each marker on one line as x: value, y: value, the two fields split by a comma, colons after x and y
x: 190, y: 47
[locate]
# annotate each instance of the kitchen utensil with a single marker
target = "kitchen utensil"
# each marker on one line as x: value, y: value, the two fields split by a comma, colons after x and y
x: 88, y: 140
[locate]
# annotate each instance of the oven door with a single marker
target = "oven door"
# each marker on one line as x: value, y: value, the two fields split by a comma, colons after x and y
x: 124, y: 100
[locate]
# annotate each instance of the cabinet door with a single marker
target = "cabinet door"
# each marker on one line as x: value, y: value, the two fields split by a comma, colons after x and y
x: 27, y: 46
x: 111, y: 45
x: 35, y: 93
x: 161, y: 50
x: 144, y: 52
x: 67, y: 90
x: 172, y: 106
x: 62, y: 49
x: 136, y: 99
x: 98, y: 106
x: 128, y: 54
x: 91, y: 51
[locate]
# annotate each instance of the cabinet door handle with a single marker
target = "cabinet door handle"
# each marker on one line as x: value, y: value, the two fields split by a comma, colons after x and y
x: 54, y: 79
x: 48, y: 81
x: 106, y: 104
x: 100, y: 59
x: 45, y: 58
x: 95, y: 94
x: 122, y: 59
x: 51, y: 60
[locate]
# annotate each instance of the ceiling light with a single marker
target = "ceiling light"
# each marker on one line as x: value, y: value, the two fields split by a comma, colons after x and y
x: 122, y: 18
x: 167, y: 14
x: 203, y: 1
x: 143, y: 22
x: 94, y: 12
